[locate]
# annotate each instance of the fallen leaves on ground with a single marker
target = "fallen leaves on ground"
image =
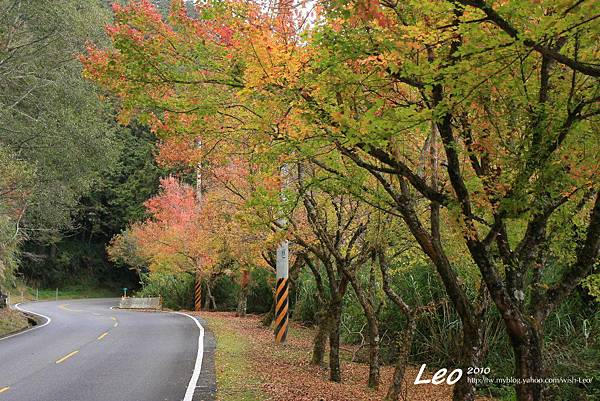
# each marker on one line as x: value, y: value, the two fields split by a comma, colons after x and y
x: 284, y: 373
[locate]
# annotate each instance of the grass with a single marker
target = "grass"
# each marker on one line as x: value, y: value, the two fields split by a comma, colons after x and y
x: 24, y: 294
x: 75, y: 292
x: 236, y: 380
x: 11, y: 321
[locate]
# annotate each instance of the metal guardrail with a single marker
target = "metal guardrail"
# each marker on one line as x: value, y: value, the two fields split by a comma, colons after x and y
x: 140, y: 303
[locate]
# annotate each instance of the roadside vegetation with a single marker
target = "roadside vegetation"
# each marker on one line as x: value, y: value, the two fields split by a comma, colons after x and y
x: 23, y: 293
x: 12, y: 321
x: 237, y: 376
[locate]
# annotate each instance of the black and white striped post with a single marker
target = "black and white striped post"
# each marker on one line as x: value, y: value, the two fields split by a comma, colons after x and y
x: 282, y: 293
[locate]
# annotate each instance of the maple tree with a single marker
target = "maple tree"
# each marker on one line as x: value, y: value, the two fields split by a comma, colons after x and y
x: 169, y: 239
x: 501, y: 101
x: 181, y: 235
x: 514, y: 170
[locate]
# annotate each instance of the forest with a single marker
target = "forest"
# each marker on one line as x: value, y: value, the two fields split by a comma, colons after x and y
x: 434, y: 166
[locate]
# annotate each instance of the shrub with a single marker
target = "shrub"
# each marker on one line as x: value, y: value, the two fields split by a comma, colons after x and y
x: 176, y: 289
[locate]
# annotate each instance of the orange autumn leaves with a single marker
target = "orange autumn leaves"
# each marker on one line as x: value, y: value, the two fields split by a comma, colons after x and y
x: 181, y: 234
x: 170, y: 237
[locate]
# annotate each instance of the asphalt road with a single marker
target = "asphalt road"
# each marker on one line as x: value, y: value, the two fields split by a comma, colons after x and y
x: 89, y: 352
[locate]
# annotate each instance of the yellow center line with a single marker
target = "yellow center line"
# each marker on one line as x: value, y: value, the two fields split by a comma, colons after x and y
x: 113, y: 318
x: 66, y: 357
x: 102, y: 335
x: 3, y: 389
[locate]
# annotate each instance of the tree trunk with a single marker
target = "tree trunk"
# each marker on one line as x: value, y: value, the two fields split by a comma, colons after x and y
x: 472, y: 355
x: 3, y: 299
x: 430, y: 244
x: 373, y: 354
x: 243, y: 296
x: 209, y: 301
x: 529, y: 364
x: 335, y: 371
x: 404, y: 347
x: 320, y: 340
x: 213, y: 301
x: 373, y: 326
x: 242, y: 302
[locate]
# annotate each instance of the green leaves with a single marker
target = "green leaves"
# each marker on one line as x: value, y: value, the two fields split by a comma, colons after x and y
x: 49, y: 115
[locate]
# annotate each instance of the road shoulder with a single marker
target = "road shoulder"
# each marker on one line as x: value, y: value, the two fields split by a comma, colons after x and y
x: 206, y: 387
x: 13, y: 322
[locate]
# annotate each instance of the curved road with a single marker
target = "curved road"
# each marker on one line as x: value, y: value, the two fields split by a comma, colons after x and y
x: 89, y: 352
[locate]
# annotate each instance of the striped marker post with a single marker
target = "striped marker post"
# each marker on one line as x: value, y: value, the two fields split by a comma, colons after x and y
x: 282, y: 294
x: 198, y: 292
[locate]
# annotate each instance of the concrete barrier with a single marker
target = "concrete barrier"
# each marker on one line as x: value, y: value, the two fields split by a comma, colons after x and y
x: 140, y: 303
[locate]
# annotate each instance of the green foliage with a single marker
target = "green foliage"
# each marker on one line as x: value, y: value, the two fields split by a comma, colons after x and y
x: 572, y: 338
x: 61, y: 137
x: 116, y: 199
x: 226, y: 290
x: 77, y: 291
x: 306, y: 305
x: 517, y: 125
x: 118, y: 196
x: 592, y: 285
x: 72, y: 261
x: 176, y: 289
x: 260, y: 296
x: 16, y: 180
x: 573, y: 345
x: 49, y: 114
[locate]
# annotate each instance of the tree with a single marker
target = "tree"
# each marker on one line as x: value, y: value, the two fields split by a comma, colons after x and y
x: 51, y: 117
x: 52, y: 123
x: 16, y: 183
x: 181, y: 235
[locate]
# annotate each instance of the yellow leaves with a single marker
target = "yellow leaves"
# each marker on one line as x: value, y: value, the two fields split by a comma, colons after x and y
x: 337, y: 116
x: 378, y: 59
x: 271, y: 58
x: 125, y: 115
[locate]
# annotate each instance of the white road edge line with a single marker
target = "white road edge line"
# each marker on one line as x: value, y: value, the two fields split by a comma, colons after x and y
x: 39, y: 326
x: 189, y: 394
